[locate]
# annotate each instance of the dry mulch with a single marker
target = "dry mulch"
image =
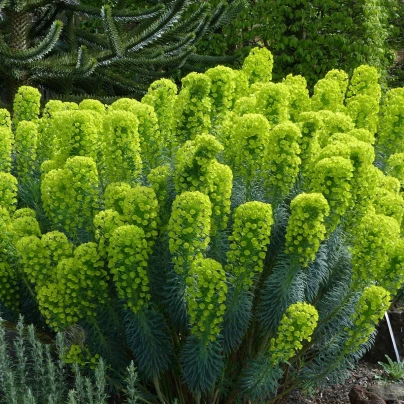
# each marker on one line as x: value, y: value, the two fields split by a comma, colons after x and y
x: 365, y: 374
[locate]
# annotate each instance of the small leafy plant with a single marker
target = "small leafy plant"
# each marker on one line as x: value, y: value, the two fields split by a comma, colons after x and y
x: 394, y: 370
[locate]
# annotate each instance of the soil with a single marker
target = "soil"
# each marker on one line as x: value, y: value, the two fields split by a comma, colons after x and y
x: 365, y: 374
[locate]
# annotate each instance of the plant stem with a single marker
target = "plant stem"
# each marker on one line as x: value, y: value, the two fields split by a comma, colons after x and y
x: 158, y: 390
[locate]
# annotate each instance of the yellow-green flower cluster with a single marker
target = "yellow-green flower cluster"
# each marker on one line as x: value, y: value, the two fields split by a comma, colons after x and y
x: 39, y: 257
x: 372, y: 305
x: 258, y: 65
x: 115, y: 194
x: 327, y: 96
x: 221, y: 185
x: 241, y: 83
x: 81, y: 287
x: 127, y: 260
x: 273, y: 102
x: 282, y: 161
x: 245, y: 105
x: 365, y: 81
x: 395, y: 167
x: 9, y: 291
x: 92, y: 105
x: 393, y: 278
x: 25, y: 226
x: 373, y: 240
x: 105, y: 222
x: 189, y: 228
x: 222, y: 89
x: 141, y: 209
x: 362, y: 135
x: 5, y: 118
x: 26, y: 105
x: 70, y: 195
x: 26, y: 139
x: 364, y: 112
x: 6, y: 145
x: 247, y: 145
x: 206, y: 296
x: 76, y: 134
x: 8, y: 191
x: 389, y: 203
x: 299, y: 100
x: 306, y: 228
x: 162, y: 95
x: 24, y: 212
x: 5, y: 233
x: 193, y: 107
x: 342, y: 78
x: 332, y: 177
x: 121, y: 147
x: 333, y: 122
x: 297, y: 325
x: 249, y: 242
x: 151, y: 141
x: 159, y: 179
x: 192, y: 163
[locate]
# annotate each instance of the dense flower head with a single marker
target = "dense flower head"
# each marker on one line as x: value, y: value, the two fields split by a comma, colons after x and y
x: 363, y: 135
x: 105, y: 222
x: 222, y: 89
x: 373, y: 240
x: 206, y: 296
x: 389, y: 203
x: 273, y: 102
x: 80, y: 289
x: 193, y: 107
x: 306, y: 226
x: 365, y: 81
x: 299, y: 100
x: 332, y: 177
x: 25, y: 226
x: 24, y: 212
x: 258, y: 65
x: 5, y: 118
x: 341, y: 77
x: 395, y: 166
x: 9, y: 281
x: 115, y: 194
x: 6, y: 145
x: 127, y: 261
x: 249, y: 242
x: 120, y: 146
x: 281, y: 160
x: 297, y: 325
x: 245, y: 105
x: 27, y: 103
x: 151, y: 141
x: 5, y: 233
x: 333, y: 122
x: 372, y: 305
x: 189, y: 228
x: 242, y: 84
x: 393, y: 277
x: 92, y: 105
x: 140, y: 208
x: 363, y: 111
x: 76, y: 134
x: 327, y: 96
x: 26, y: 139
x: 8, y: 191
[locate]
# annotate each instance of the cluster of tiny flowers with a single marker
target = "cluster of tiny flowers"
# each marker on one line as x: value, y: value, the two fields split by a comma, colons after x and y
x: 121, y: 147
x: 395, y: 166
x: 372, y: 305
x: 389, y: 203
x: 159, y: 179
x: 365, y: 81
x: 258, y: 65
x: 9, y: 281
x: 342, y: 78
x: 192, y: 163
x: 80, y: 289
x: 26, y: 138
x: 242, y: 84
x: 281, y: 161
x: 92, y: 105
x: 206, y: 295
x: 327, y: 96
x: 115, y: 194
x: 373, y: 241
x: 150, y: 137
x: 362, y: 135
x: 306, y: 228
x: 364, y: 112
x: 27, y: 103
x: 245, y: 105
x: 221, y: 185
x: 5, y: 118
x: 273, y: 102
x: 222, y: 89
x: 39, y: 257
x: 105, y: 222
x: 25, y: 226
x: 332, y: 122
x: 141, y: 209
x: 70, y: 195
x: 127, y: 260
x: 5, y: 233
x: 393, y: 278
x: 249, y: 242
x: 162, y: 95
x: 8, y: 191
x: 193, y: 107
x: 247, y: 145
x: 76, y: 134
x: 189, y: 228
x: 6, y: 145
x: 299, y: 100
x: 332, y: 177
x: 297, y: 325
